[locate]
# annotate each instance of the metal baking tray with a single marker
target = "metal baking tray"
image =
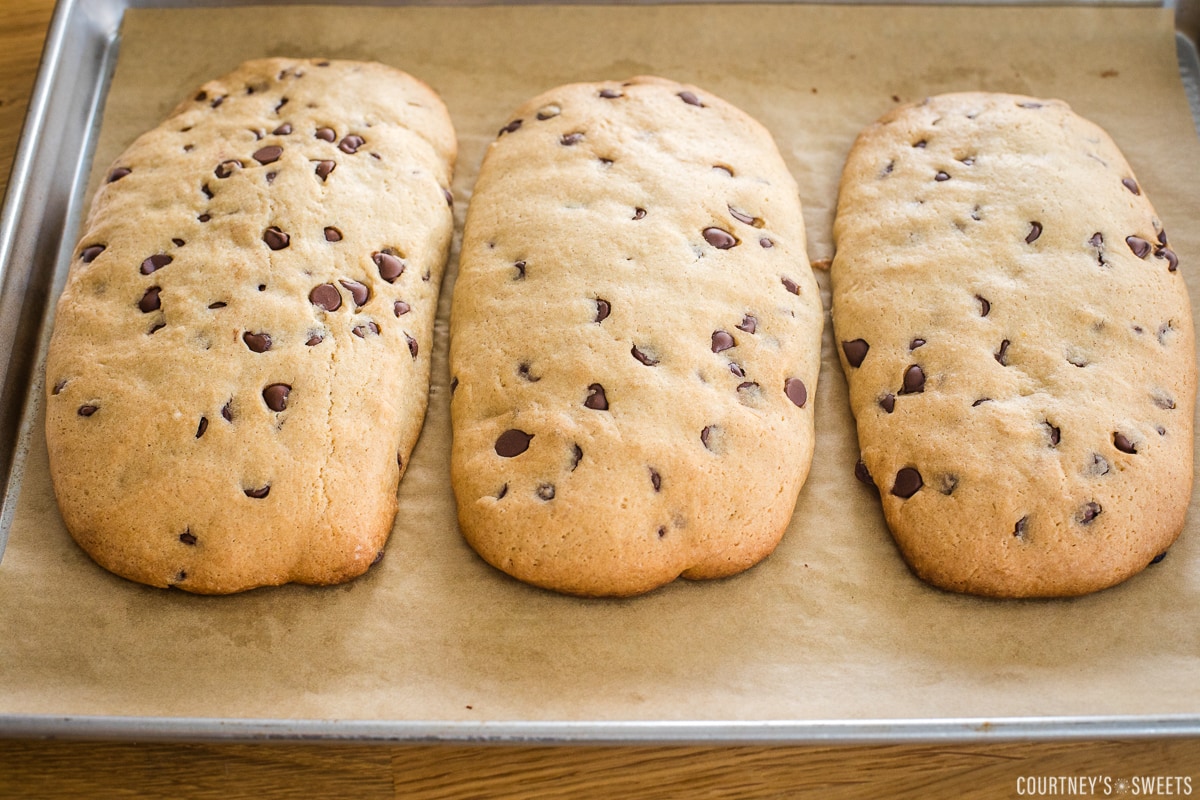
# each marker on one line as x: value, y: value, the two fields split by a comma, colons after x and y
x: 41, y: 214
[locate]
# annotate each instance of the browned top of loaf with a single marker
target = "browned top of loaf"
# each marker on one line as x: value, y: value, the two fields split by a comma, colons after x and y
x: 230, y: 378
x: 1019, y: 346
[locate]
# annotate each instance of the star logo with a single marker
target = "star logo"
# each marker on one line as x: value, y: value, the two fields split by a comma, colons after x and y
x: 1121, y: 786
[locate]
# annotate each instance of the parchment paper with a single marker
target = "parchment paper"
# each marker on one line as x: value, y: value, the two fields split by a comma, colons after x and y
x: 833, y: 625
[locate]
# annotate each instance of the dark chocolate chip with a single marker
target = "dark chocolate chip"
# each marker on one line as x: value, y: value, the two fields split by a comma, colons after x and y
x: 576, y: 456
x: 332, y: 234
x: 796, y: 391
x: 985, y: 307
x: 856, y: 351
x: 1097, y: 240
x: 59, y: 386
x: 276, y: 396
x: 1001, y: 355
x: 207, y: 193
x: 282, y: 102
x: 941, y: 176
x: 610, y: 94
x: 1140, y: 247
x: 596, y: 398
x: 1122, y: 443
x: 226, y: 168
x: 603, y: 309
x: 705, y: 435
x: 1088, y: 512
x: 888, y: 402
x: 258, y: 493
x: 155, y: 263
x: 283, y: 130
x: 766, y: 243
x: 1055, y: 433
x: 914, y: 380
x: 326, y: 134
x: 202, y: 427
x: 1131, y: 185
x: 503, y: 491
x: 257, y: 342
x: 1169, y: 255
x: 742, y: 216
x: 948, y: 484
x: 156, y: 327
x: 88, y: 410
x: 915, y: 343
x: 150, y: 300
x: 324, y: 168
x: 412, y: 343
x: 314, y: 340
x: 269, y: 154
x: 1035, y: 230
x: 736, y: 369
x: 749, y: 324
x: 908, y: 482
x: 719, y: 238
x: 361, y: 331
x: 570, y: 139
x: 512, y: 443
x: 721, y: 340
x: 178, y: 242
x: 227, y: 410
x: 187, y: 537
x: 359, y: 292
x: 118, y: 173
x: 862, y: 473
x: 639, y: 213
x: 390, y: 265
x: 401, y: 308
x: 449, y: 196
x: 204, y: 218
x: 1021, y: 527
x: 275, y: 238
x: 655, y: 480
x: 690, y: 98
x: 920, y: 144
x: 520, y: 267
x: 1158, y: 558
x: 326, y: 296
x: 790, y: 285
x: 350, y: 143
x: 545, y: 492
x: 642, y: 357
x: 90, y: 253
x: 510, y: 127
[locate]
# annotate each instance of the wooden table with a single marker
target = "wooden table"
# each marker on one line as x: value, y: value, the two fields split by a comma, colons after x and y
x: 57, y: 769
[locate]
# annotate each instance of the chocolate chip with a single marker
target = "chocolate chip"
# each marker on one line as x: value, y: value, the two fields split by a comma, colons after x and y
x: 603, y: 309
x: 690, y: 98
x: 359, y: 292
x: 326, y: 134
x: 412, y: 343
x: 596, y: 398
x: 258, y: 493
x: 520, y: 267
x: 862, y: 473
x: 1097, y: 240
x: 314, y: 340
x: 1088, y: 512
x: 948, y: 484
x: 1001, y: 355
x: 790, y: 285
x: 548, y: 112
x: 90, y: 253
x: 1131, y: 185
x: 908, y: 482
x: 736, y: 369
x: 204, y: 218
x: 570, y: 139
x: 888, y: 402
x: 324, y: 168
x: 985, y: 307
x: 742, y: 216
x: 705, y: 435
x: 655, y: 480
x: 178, y: 242
x: 1035, y: 230
x: 1158, y: 558
x: 150, y: 300
x: 914, y: 380
x: 207, y: 193
x: 749, y: 324
x: 511, y: 127
x: 1055, y: 433
x: 1122, y: 443
x: 856, y: 351
x: 187, y: 537
x: 642, y: 357
x: 941, y: 176
x: 275, y: 238
x: 155, y: 263
x: 276, y: 396
x: 118, y: 173
x: 156, y: 327
x: 610, y: 94
x: 915, y: 343
x: 1021, y: 527
x: 1099, y: 465
x: 503, y: 491
x: 87, y: 410
x: 1163, y: 400
x: 766, y: 243
x: 1140, y: 247
x: 545, y: 492
x: 227, y: 410
x: 512, y: 443
x: 226, y: 168
x: 390, y: 265
x: 332, y: 234
x: 576, y: 456
x: 1169, y: 255
x: 721, y: 341
x: 269, y: 154
x: 401, y: 308
x: 202, y: 427
x: 719, y: 238
x: 282, y: 102
x: 326, y: 296
x: 350, y: 143
x: 283, y: 130
x: 796, y: 391
x: 257, y: 342
x: 639, y: 213
x: 59, y: 386
x: 920, y: 144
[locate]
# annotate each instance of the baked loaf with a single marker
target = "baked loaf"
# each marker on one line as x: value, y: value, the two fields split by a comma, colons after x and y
x: 635, y: 339
x: 240, y: 363
x: 1018, y: 343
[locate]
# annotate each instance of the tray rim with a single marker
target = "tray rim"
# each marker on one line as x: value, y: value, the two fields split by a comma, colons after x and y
x: 98, y: 21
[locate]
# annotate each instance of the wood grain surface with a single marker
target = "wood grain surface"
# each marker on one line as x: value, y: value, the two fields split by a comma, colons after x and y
x: 78, y: 769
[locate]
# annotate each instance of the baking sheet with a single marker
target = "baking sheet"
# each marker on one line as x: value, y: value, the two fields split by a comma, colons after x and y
x: 831, y: 628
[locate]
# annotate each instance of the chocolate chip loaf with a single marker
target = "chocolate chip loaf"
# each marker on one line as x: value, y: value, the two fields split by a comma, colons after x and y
x: 240, y: 362
x: 1018, y: 343
x: 635, y: 337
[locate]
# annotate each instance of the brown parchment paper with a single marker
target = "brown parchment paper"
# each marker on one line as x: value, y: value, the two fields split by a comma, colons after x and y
x: 832, y: 626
